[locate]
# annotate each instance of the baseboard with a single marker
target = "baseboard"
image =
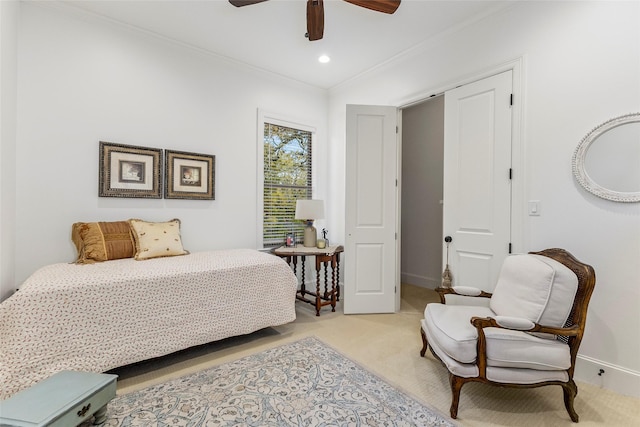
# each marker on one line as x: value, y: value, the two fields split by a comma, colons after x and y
x: 614, y: 378
x: 422, y: 281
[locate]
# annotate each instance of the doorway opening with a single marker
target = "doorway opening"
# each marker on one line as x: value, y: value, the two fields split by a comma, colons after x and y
x: 421, y: 199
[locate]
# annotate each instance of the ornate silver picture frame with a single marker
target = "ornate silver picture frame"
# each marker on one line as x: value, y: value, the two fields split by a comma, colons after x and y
x: 129, y: 171
x: 189, y: 175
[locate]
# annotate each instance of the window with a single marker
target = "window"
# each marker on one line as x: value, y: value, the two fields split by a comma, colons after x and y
x: 287, y: 176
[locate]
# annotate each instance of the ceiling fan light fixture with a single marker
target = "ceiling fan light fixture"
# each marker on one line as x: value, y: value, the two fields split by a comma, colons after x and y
x: 323, y: 59
x: 315, y: 12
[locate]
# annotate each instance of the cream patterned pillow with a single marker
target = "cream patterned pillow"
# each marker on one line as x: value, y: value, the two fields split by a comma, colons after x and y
x: 156, y: 239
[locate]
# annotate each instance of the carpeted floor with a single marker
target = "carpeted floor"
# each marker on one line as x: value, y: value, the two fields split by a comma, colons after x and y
x: 389, y: 345
x: 303, y: 383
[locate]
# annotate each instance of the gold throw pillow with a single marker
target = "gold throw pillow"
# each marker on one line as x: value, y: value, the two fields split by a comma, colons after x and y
x: 102, y: 241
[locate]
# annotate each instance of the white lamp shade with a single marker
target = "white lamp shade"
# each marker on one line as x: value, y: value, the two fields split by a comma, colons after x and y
x: 310, y: 209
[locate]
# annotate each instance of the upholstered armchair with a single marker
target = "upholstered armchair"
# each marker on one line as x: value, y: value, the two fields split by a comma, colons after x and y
x: 524, y: 334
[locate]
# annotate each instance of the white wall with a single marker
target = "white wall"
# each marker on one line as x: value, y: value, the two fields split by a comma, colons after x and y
x: 581, y: 66
x: 9, y: 13
x: 82, y: 80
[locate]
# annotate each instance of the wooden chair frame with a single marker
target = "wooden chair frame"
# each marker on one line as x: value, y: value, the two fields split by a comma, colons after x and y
x: 573, y: 331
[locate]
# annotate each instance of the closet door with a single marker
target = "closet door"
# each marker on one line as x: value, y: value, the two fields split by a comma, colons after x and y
x: 477, y: 179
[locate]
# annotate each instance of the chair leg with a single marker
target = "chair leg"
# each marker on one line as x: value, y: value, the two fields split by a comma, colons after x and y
x: 424, y: 343
x: 570, y: 391
x: 456, y: 386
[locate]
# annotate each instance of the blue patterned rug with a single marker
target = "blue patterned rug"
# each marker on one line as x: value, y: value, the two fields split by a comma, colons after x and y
x: 304, y: 383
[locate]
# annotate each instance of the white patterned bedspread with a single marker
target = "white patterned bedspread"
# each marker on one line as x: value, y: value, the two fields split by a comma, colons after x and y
x: 97, y: 317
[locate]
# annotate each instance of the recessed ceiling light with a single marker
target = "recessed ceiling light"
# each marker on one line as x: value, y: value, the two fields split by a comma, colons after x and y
x: 324, y: 59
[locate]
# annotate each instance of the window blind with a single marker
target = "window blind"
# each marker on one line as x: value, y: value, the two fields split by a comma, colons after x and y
x: 287, y: 178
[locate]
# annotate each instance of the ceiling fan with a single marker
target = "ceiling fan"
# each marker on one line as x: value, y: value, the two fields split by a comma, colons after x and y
x: 315, y: 12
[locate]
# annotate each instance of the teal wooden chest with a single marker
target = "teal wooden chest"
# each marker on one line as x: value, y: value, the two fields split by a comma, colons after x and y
x: 65, y: 399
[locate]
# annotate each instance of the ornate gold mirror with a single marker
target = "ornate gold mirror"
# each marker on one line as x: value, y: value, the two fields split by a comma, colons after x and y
x: 607, y: 161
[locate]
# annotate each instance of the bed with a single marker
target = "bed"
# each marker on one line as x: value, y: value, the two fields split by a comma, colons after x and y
x: 96, y: 317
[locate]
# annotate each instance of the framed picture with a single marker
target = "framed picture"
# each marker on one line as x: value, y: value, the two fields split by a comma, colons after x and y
x: 129, y: 171
x: 189, y: 175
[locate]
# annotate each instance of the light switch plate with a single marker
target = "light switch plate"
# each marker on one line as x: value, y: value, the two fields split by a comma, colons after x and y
x: 534, y: 207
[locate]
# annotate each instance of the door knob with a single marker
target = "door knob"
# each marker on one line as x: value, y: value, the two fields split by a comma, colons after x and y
x: 448, y: 239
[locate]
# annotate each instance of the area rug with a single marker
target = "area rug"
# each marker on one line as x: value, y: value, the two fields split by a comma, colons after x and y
x: 304, y: 383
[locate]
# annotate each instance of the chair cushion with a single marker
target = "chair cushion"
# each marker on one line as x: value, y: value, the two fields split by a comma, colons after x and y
x: 503, y: 375
x: 516, y: 349
x: 451, y: 328
x: 563, y: 293
x: 535, y: 287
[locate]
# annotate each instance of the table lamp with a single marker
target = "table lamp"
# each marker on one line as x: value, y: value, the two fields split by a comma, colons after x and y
x: 309, y: 210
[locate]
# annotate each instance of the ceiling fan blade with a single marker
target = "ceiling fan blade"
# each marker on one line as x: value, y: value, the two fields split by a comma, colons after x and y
x: 384, y: 6
x: 315, y: 19
x: 240, y: 3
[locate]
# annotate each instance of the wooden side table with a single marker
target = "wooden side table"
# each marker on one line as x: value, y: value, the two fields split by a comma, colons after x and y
x: 324, y: 257
x: 65, y: 399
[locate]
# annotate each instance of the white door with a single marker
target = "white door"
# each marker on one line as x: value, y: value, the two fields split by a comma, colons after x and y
x: 371, y: 276
x: 477, y: 179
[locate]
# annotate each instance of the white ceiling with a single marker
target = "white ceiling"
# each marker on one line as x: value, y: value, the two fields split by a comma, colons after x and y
x: 271, y: 35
